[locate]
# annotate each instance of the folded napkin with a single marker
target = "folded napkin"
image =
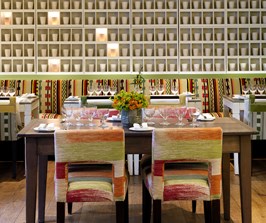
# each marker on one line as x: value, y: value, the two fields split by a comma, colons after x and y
x: 49, y: 126
x: 206, y: 116
x: 72, y: 98
x: 142, y: 126
x: 28, y: 95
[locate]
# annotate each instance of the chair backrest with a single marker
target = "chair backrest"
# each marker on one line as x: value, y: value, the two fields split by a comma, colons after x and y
x: 90, y: 145
x: 8, y: 124
x: 173, y: 145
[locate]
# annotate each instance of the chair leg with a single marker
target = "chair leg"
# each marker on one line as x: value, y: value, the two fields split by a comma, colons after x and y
x: 122, y: 210
x: 194, y: 206
x: 146, y: 204
x: 157, y: 210
x: 14, y: 159
x: 69, y: 208
x: 215, y: 209
x: 207, y: 211
x: 60, y: 216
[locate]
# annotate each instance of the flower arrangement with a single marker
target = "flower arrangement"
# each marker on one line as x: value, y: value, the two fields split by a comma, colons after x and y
x: 129, y: 101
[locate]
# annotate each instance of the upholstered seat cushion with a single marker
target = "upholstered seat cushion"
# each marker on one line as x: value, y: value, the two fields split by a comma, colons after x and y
x: 178, y: 177
x: 90, y: 180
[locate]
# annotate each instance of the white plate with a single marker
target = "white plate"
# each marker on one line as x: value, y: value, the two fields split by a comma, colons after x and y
x: 111, y: 119
x: 37, y: 129
x: 141, y: 129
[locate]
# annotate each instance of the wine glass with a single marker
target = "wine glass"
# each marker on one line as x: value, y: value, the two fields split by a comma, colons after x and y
x: 1, y: 91
x: 164, y: 113
x: 106, y: 90
x: 12, y: 92
x: 261, y: 88
x: 180, y: 114
x: 90, y: 113
x: 160, y: 89
x: 253, y: 89
x: 194, y: 114
x: 5, y: 91
x: 98, y: 90
x: 149, y: 112
x: 245, y: 89
x: 77, y: 113
x: 152, y: 90
x: 90, y: 90
x: 103, y: 114
x: 112, y: 90
x: 174, y: 90
x: 67, y: 114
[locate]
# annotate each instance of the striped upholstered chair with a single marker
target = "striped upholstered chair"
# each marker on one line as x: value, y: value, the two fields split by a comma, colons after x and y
x: 106, y: 180
x: 8, y: 128
x: 185, y: 165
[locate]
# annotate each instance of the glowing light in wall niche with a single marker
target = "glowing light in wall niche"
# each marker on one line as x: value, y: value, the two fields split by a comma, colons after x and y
x: 53, y: 18
x: 54, y: 65
x: 101, y: 34
x: 113, y: 49
x: 6, y: 18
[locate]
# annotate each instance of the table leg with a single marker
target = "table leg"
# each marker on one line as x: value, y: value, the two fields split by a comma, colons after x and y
x: 42, y: 186
x: 245, y: 178
x: 31, y: 179
x: 226, y: 184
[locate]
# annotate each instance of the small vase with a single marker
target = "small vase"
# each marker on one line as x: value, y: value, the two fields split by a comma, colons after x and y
x: 128, y: 118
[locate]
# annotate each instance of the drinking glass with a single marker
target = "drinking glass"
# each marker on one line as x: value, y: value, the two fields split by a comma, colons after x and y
x: 180, y: 114
x: 78, y: 113
x: 90, y: 113
x: 67, y: 114
x: 253, y: 89
x: 90, y: 90
x: 98, y: 90
x: 106, y: 90
x: 149, y: 112
x: 12, y: 92
x: 160, y: 89
x: 194, y: 114
x: 164, y: 113
x: 152, y: 90
x: 103, y: 114
x: 261, y: 88
x: 245, y: 89
x: 112, y: 90
x: 5, y: 91
x: 174, y: 90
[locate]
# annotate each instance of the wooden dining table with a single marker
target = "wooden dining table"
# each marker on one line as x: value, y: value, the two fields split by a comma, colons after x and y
x: 236, y: 139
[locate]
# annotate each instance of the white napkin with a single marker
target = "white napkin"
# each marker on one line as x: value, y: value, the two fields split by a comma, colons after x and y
x: 72, y: 98
x: 144, y: 125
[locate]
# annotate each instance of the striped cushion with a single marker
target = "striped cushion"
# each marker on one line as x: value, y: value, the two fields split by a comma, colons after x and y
x: 93, y: 181
x: 196, y: 169
x: 8, y: 126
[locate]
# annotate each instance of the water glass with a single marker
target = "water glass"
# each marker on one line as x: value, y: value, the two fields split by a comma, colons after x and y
x: 152, y: 90
x: 149, y: 113
x: 160, y: 89
x: 78, y: 113
x: 245, y: 89
x: 261, y: 88
x: 194, y: 114
x: 98, y: 90
x: 106, y: 90
x: 174, y: 90
x: 112, y: 90
x: 103, y: 114
x: 164, y: 113
x: 90, y: 90
x: 253, y: 89
x: 12, y: 92
x: 180, y: 114
x: 90, y: 113
x: 67, y: 114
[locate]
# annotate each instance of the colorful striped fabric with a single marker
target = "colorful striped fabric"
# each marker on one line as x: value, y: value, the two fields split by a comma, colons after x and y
x: 101, y: 146
x: 186, y: 164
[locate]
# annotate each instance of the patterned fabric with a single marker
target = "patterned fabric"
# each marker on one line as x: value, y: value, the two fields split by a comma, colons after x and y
x: 255, y: 116
x: 96, y: 146
x: 8, y: 126
x: 186, y: 164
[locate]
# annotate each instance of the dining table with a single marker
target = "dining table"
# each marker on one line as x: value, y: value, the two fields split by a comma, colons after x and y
x: 39, y: 145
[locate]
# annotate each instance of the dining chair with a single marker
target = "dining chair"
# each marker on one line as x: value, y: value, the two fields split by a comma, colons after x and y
x: 106, y: 180
x: 185, y: 165
x: 8, y: 129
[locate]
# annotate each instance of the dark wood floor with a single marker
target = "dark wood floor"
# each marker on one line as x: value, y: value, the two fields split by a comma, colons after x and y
x: 12, y: 201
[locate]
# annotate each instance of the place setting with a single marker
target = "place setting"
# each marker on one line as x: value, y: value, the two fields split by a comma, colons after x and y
x: 46, y: 128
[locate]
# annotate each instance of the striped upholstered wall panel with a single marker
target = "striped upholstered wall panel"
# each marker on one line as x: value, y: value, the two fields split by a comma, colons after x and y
x: 8, y: 126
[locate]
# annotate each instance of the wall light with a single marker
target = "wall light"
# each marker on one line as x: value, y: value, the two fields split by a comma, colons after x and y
x: 101, y: 34
x: 54, y: 18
